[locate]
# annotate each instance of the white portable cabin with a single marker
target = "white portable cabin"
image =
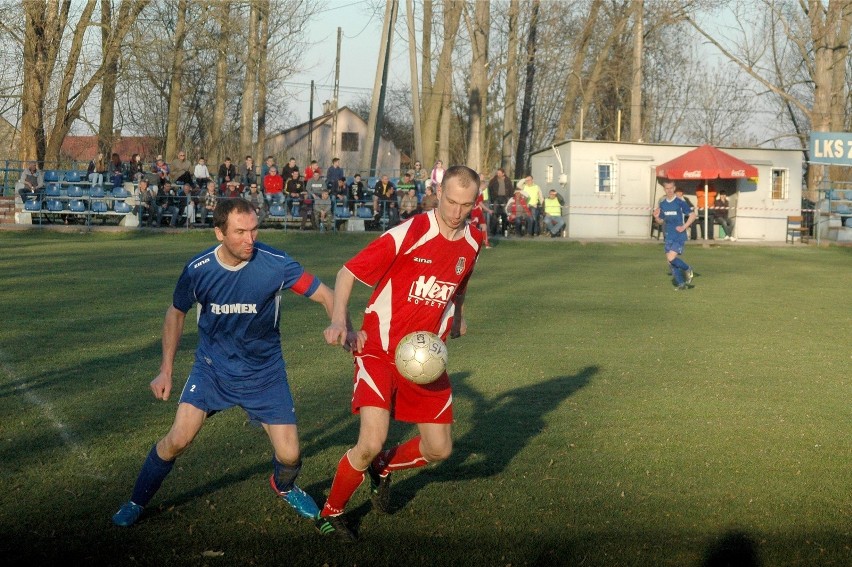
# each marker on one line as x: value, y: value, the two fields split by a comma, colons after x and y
x: 610, y: 188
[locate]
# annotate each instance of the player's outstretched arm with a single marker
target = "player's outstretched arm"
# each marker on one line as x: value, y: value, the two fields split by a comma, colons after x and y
x: 325, y: 297
x: 340, y: 332
x: 161, y: 386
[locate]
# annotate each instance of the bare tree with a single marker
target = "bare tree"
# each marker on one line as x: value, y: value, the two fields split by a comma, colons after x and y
x: 437, y: 97
x: 509, y: 136
x: 478, y: 87
x: 250, y: 83
x: 262, y: 76
x: 822, y: 46
x: 523, y: 129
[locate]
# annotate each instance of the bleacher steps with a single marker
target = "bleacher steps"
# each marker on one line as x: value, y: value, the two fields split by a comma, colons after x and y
x: 7, y: 210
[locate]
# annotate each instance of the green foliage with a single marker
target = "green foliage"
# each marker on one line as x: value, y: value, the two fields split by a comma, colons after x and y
x: 601, y: 418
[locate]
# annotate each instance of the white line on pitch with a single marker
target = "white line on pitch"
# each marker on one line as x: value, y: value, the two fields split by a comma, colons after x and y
x: 47, y: 411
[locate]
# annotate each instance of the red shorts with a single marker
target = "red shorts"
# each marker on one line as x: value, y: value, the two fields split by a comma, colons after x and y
x: 477, y: 217
x: 379, y: 384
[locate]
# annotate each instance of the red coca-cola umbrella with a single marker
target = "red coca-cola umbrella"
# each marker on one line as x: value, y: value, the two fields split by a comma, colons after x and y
x: 705, y: 163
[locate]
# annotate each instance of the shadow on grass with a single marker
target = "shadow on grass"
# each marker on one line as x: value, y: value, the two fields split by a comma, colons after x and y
x: 733, y: 549
x: 501, y: 428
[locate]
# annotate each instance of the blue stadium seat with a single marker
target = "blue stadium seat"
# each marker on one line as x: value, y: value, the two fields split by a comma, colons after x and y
x: 77, y: 206
x: 365, y: 212
x: 843, y: 209
x: 32, y: 205
x: 341, y: 212
x: 277, y: 211
x: 849, y: 195
x: 371, y: 182
x: 849, y: 222
x: 120, y: 192
x: 52, y: 190
x: 99, y: 207
x: 74, y: 176
x: 97, y: 192
x: 54, y: 205
x: 350, y: 179
x: 51, y: 176
x: 121, y: 207
x: 75, y: 191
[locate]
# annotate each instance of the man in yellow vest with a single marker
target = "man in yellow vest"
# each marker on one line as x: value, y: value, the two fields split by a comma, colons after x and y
x: 534, y: 200
x: 553, y: 221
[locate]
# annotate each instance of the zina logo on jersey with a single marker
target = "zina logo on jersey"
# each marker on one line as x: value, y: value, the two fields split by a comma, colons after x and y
x: 233, y: 308
x: 431, y: 291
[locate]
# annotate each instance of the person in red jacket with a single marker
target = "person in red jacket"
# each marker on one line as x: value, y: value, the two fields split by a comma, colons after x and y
x: 312, y: 171
x: 273, y: 186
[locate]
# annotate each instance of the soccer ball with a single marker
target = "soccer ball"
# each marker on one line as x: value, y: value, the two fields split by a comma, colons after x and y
x: 421, y: 357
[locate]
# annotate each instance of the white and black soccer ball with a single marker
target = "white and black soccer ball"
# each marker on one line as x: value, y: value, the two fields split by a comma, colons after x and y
x: 421, y: 357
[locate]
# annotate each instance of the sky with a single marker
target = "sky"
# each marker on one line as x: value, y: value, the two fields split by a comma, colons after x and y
x: 361, y: 28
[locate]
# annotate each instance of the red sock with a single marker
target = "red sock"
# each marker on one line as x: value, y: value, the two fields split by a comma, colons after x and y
x: 346, y: 481
x: 405, y: 456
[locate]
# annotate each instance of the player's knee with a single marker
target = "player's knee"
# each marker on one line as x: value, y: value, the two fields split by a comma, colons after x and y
x: 364, y: 452
x: 173, y: 445
x: 436, y: 453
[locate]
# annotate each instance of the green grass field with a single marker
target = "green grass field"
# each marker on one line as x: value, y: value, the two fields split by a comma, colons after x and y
x: 601, y: 417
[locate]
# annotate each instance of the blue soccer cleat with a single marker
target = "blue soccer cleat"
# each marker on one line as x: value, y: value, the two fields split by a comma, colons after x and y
x: 300, y: 500
x: 127, y: 514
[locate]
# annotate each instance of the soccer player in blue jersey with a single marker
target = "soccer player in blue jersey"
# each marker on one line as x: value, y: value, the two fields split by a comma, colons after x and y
x: 677, y: 216
x: 238, y: 361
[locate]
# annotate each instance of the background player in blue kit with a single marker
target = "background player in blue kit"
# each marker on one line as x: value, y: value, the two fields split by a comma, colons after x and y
x: 677, y: 216
x: 238, y: 361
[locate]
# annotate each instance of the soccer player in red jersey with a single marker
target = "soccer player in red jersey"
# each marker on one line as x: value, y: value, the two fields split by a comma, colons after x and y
x: 419, y: 272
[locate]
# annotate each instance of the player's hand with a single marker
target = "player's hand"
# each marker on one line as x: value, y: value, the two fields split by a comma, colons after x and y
x: 656, y: 212
x: 680, y: 228
x: 161, y: 386
x: 336, y: 334
x: 355, y: 341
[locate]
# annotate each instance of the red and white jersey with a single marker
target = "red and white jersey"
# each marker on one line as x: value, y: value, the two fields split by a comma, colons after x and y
x: 415, y: 272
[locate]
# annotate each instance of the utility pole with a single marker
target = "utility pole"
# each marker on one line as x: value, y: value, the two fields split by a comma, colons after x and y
x: 374, y: 126
x: 311, y: 126
x: 415, y: 88
x: 336, y: 90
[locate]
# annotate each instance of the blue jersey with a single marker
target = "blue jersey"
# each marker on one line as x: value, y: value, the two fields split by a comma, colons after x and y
x: 674, y: 213
x: 238, y: 307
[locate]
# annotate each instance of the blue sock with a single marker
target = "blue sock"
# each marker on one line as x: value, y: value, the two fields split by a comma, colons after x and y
x: 153, y: 472
x: 284, y: 476
x: 680, y: 264
x: 676, y: 272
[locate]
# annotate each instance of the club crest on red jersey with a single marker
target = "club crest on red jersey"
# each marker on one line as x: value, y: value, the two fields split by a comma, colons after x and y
x: 460, y: 266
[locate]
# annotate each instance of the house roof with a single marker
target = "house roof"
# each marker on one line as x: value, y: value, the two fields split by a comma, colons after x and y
x: 317, y: 121
x: 85, y: 148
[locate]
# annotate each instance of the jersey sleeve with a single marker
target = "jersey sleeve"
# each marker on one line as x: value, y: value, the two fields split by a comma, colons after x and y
x: 183, y: 297
x: 371, y: 263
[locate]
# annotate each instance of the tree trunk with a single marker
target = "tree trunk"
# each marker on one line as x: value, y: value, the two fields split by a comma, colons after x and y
x: 574, y: 84
x: 441, y: 91
x: 426, y: 59
x: 602, y: 57
x: 262, y: 71
x: 109, y: 27
x: 250, y: 85
x: 42, y: 37
x: 220, y: 97
x: 636, y: 86
x: 523, y: 133
x: 173, y: 124
x: 478, y: 90
x: 510, y: 118
x: 415, y: 91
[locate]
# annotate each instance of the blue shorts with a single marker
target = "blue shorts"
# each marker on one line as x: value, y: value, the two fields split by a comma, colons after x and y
x: 265, y: 398
x: 676, y: 244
